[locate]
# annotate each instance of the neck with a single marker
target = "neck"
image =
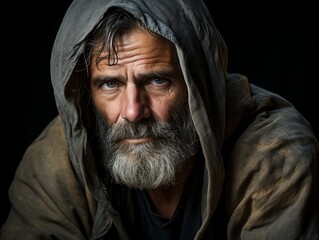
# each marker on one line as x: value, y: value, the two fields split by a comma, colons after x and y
x: 165, y: 199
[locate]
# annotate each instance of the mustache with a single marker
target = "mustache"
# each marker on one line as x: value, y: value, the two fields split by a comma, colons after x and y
x: 146, y: 128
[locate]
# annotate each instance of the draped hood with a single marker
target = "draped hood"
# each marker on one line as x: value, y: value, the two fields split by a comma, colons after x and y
x: 202, y: 54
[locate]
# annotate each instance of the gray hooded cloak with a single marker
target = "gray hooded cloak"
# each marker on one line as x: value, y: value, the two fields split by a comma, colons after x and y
x: 261, y: 156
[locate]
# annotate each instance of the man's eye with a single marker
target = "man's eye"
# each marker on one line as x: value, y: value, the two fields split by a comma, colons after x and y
x: 110, y: 84
x: 157, y: 81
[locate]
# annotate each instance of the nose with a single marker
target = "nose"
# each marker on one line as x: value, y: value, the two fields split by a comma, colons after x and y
x: 135, y: 104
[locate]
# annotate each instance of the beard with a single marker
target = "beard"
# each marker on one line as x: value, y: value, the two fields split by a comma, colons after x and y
x: 147, y: 165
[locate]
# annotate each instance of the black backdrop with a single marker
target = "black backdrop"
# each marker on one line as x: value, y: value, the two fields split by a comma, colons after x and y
x: 276, y: 47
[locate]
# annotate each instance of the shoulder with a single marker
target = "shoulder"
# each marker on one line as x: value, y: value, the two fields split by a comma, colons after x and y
x: 271, y: 173
x: 53, y: 136
x: 272, y: 126
x: 46, y: 190
x: 47, y: 155
x: 274, y: 131
x: 276, y: 122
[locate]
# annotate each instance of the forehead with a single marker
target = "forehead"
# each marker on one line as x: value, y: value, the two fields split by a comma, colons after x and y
x: 136, y: 44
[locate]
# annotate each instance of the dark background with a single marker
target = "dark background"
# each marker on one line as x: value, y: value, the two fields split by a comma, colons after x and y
x: 276, y: 47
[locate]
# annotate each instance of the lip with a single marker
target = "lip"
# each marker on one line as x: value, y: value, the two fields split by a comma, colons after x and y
x: 137, y: 140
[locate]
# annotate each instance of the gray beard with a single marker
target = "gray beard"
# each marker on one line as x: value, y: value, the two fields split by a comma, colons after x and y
x: 151, y: 164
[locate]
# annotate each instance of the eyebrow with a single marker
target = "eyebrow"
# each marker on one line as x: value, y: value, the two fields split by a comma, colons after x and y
x: 169, y: 74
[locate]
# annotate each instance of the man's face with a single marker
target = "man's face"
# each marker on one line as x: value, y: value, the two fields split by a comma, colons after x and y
x: 144, y: 125
x: 146, y: 82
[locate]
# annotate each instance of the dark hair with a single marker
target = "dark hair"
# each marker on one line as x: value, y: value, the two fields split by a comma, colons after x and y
x: 116, y: 21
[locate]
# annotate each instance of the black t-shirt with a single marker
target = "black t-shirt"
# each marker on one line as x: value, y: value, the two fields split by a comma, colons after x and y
x: 187, y: 218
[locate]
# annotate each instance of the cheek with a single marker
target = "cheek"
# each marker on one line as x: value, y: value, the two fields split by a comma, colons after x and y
x: 161, y: 111
x: 163, y: 108
x: 110, y: 111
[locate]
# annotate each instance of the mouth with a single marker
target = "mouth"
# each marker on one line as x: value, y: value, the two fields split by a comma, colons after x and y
x: 138, y: 140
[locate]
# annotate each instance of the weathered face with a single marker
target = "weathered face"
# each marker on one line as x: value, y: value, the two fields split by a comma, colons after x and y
x: 143, y: 122
x: 145, y: 83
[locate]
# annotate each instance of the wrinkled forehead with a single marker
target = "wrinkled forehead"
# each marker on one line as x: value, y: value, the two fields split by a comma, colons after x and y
x: 137, y: 41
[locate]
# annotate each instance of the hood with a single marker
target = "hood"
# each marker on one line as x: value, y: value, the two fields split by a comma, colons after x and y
x: 203, y: 58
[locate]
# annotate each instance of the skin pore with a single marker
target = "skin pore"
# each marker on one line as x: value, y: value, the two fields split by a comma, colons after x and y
x: 146, y: 82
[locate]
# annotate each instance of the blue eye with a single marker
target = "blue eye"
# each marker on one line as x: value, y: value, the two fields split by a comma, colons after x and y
x: 158, y: 81
x: 110, y: 84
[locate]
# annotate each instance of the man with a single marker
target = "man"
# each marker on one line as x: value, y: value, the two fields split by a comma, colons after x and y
x: 156, y: 140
